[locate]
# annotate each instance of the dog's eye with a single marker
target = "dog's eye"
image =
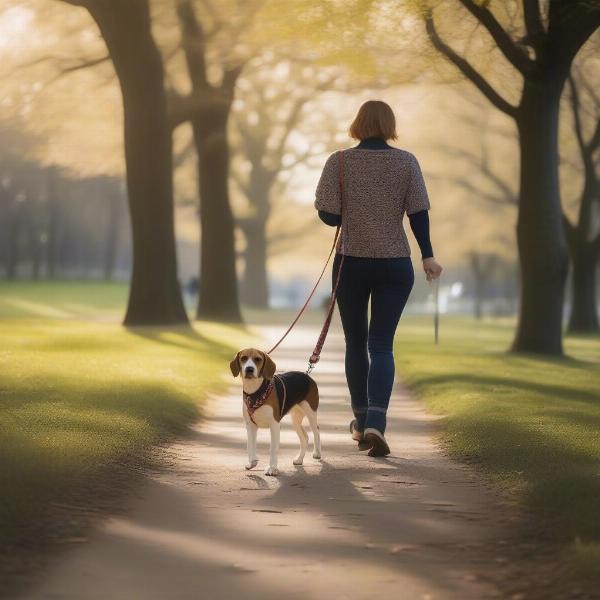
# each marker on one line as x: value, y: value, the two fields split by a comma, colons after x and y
x: 242, y: 358
x: 258, y: 359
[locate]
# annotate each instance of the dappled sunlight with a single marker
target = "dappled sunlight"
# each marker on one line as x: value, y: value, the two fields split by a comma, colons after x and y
x: 529, y: 421
x: 37, y: 308
x: 77, y: 395
x: 348, y: 524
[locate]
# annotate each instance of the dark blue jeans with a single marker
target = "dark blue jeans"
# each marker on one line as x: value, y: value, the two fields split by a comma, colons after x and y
x: 369, y: 361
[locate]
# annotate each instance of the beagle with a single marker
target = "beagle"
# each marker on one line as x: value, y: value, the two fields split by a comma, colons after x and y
x: 268, y: 397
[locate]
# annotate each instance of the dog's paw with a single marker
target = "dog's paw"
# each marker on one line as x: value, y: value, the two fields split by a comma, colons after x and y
x: 252, y: 464
x: 317, y: 455
x: 298, y: 460
x: 272, y: 471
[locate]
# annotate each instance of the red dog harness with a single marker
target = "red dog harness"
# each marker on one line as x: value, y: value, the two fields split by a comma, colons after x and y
x: 290, y: 388
x: 255, y: 400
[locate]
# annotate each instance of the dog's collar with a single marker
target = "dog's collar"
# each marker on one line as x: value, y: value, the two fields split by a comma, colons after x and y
x: 256, y: 399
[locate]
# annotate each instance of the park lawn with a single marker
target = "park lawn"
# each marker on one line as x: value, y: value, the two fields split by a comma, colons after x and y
x: 532, y: 423
x: 79, y: 393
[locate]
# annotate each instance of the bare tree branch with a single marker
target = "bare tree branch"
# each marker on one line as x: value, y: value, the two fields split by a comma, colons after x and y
x: 84, y: 3
x: 300, y: 158
x: 468, y: 71
x: 230, y: 76
x: 182, y: 108
x: 575, y: 107
x: 276, y: 240
x: 235, y: 176
x: 594, y: 142
x: 181, y: 157
x: 468, y: 185
x: 65, y: 65
x: 482, y: 165
x: 513, y: 53
x: 218, y: 22
x: 589, y: 147
x: 193, y: 42
x: 533, y: 21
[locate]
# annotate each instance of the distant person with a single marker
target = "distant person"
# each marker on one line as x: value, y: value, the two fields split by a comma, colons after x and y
x: 380, y: 184
x: 192, y: 288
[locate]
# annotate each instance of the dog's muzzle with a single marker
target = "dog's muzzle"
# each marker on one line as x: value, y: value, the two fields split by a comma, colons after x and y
x: 249, y: 372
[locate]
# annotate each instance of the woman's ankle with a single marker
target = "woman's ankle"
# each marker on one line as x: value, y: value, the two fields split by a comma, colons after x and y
x: 376, y: 420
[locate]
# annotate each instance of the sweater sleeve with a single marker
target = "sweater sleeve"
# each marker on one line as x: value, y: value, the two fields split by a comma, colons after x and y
x: 327, y: 195
x: 419, y: 223
x: 417, y: 198
x: 330, y: 218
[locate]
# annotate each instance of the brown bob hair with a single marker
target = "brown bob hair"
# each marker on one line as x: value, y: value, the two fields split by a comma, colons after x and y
x: 375, y: 118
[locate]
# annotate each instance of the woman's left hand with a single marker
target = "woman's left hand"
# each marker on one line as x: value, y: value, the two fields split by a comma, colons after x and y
x: 432, y: 268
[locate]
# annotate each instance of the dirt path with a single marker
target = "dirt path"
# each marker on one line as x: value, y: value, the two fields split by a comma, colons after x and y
x: 412, y: 526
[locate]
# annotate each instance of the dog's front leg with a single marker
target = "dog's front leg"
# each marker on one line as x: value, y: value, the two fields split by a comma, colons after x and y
x: 275, y: 431
x: 251, y: 430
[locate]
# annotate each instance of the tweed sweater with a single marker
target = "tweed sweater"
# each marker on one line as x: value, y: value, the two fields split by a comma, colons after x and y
x: 380, y: 186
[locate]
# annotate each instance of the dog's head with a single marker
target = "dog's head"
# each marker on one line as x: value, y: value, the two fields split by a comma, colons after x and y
x: 252, y: 363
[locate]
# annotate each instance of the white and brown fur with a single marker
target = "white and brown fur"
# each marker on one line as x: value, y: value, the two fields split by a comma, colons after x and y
x: 256, y: 366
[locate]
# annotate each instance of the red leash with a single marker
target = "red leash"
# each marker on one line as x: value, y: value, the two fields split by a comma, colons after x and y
x: 314, y: 358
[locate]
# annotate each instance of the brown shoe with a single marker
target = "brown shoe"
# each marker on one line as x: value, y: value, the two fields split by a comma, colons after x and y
x: 364, y: 445
x: 375, y: 439
x: 358, y: 436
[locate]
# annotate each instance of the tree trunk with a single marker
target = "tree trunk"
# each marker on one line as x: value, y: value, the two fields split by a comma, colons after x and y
x: 541, y: 239
x: 584, y: 250
x: 154, y: 295
x: 53, y: 219
x: 14, y: 235
x: 112, y: 235
x: 255, y: 281
x: 477, y: 268
x: 33, y: 231
x: 584, y: 312
x: 218, y: 298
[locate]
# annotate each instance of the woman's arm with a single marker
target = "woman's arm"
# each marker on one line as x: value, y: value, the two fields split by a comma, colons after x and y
x: 417, y: 205
x: 419, y: 223
x: 330, y: 218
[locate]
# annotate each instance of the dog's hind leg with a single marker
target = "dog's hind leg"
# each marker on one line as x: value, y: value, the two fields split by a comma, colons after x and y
x: 314, y: 426
x: 297, y: 417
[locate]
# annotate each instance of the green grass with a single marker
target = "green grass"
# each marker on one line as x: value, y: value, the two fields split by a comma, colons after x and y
x: 532, y: 423
x: 79, y: 392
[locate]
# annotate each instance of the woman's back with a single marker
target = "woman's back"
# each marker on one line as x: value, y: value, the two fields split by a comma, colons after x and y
x: 372, y: 267
x: 380, y: 185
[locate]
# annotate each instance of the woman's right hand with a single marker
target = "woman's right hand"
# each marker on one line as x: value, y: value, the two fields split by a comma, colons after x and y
x: 432, y: 268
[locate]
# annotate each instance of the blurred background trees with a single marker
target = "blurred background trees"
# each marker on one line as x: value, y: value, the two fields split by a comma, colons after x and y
x: 181, y: 142
x: 541, y: 47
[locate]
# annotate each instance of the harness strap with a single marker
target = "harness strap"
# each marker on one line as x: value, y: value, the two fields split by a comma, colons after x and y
x: 253, y: 405
x: 283, y: 387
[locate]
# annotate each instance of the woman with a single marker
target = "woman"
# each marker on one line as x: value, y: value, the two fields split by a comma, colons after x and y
x: 381, y: 183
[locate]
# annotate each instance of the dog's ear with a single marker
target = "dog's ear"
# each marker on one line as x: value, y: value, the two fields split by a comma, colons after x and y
x: 234, y: 365
x: 268, y: 367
